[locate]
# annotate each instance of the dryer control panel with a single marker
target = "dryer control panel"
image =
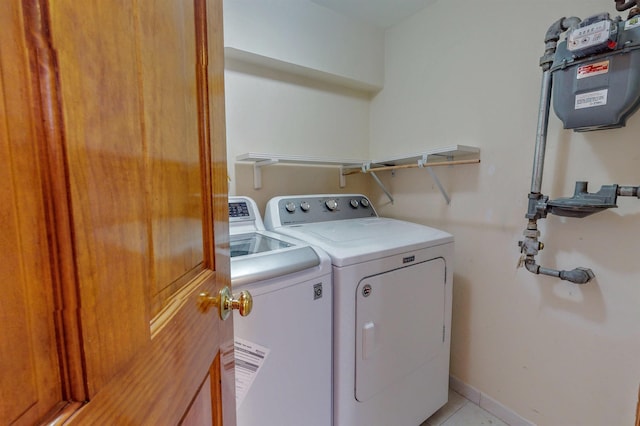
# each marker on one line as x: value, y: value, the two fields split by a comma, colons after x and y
x: 299, y: 209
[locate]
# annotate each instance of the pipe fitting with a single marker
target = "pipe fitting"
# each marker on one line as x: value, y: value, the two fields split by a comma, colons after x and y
x: 532, y: 266
x: 552, y: 37
x: 622, y: 5
x: 577, y: 275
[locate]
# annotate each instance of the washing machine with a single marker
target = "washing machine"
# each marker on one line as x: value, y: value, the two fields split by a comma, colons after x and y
x: 283, y: 348
x: 392, y: 289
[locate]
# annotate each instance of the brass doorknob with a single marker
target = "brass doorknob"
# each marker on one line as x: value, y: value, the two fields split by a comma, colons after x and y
x: 226, y: 302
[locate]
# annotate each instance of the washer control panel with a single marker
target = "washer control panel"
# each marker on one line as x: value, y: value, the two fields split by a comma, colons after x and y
x: 242, y: 209
x: 300, y: 209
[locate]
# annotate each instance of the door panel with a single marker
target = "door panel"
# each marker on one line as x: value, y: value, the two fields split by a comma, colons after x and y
x: 105, y: 153
x: 200, y: 412
x: 160, y: 383
x: 28, y: 353
x: 132, y: 214
x: 400, y: 318
x: 174, y: 169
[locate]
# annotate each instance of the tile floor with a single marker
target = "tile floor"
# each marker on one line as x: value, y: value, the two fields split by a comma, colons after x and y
x: 461, y: 412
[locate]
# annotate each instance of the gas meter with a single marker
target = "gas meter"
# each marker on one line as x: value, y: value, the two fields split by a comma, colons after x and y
x: 596, y: 73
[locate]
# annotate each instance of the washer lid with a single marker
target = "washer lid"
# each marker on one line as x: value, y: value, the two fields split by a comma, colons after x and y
x: 359, y: 240
x: 252, y: 243
x: 257, y: 257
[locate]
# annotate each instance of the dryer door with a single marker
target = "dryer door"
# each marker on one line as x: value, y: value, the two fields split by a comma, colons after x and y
x: 400, y: 318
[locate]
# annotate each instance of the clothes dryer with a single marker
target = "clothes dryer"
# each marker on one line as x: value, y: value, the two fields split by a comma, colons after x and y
x: 392, y: 289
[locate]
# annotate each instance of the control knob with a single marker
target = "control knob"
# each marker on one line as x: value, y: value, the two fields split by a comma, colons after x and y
x: 364, y: 202
x: 290, y: 206
x: 354, y: 203
x: 305, y: 206
x: 331, y: 204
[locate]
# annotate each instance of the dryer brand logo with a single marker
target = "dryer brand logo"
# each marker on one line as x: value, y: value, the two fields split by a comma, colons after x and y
x: 408, y: 259
x: 366, y: 290
x: 317, y: 291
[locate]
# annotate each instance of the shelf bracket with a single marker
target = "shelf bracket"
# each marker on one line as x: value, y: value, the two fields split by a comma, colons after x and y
x: 379, y: 182
x: 422, y: 163
x: 343, y: 178
x: 257, y: 172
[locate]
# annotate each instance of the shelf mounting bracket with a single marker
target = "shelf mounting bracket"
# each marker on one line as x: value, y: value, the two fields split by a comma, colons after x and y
x: 257, y: 171
x: 422, y: 163
x: 367, y: 168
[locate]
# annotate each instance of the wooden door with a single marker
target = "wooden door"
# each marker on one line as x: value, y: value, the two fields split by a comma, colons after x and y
x: 115, y: 203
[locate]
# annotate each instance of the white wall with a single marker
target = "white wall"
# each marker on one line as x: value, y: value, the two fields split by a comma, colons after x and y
x: 316, y: 106
x: 467, y: 73
x: 272, y: 112
x: 305, y: 34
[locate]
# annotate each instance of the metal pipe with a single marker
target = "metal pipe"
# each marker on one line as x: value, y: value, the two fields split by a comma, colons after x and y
x: 577, y: 275
x: 622, y: 6
x: 629, y: 191
x: 530, y: 245
x: 560, y: 26
x: 551, y: 38
x: 541, y: 132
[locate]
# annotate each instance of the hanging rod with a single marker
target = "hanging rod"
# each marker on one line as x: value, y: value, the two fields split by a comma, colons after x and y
x: 411, y: 166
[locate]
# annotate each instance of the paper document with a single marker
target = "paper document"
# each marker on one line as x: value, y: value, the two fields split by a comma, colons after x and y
x: 249, y: 358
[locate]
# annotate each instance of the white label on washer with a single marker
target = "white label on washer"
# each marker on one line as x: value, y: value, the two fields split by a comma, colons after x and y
x: 591, y: 99
x: 591, y: 70
x: 249, y: 358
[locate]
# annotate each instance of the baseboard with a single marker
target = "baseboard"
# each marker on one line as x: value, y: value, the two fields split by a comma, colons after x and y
x: 487, y: 403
